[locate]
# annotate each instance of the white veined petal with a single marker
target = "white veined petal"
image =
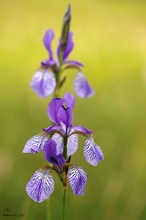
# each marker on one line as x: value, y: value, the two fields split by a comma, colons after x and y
x: 59, y: 141
x: 82, y: 87
x: 92, y: 153
x: 43, y: 83
x: 35, y: 144
x: 40, y: 186
x: 72, y: 144
x: 77, y: 178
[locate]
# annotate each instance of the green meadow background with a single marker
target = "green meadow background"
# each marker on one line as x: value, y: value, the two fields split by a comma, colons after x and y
x: 110, y: 39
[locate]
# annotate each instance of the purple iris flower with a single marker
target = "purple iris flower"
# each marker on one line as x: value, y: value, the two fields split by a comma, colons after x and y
x: 64, y: 133
x: 44, y: 81
x: 41, y: 184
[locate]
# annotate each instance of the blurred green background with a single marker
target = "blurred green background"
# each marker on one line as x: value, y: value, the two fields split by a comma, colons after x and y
x: 110, y: 39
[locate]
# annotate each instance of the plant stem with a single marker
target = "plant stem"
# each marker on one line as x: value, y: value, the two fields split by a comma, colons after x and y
x: 63, y: 204
x: 48, y: 207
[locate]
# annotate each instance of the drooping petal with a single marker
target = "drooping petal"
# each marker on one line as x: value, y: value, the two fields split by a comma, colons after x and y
x: 72, y: 144
x: 40, y: 186
x: 48, y: 37
x: 53, y: 108
x: 80, y: 130
x: 35, y: 144
x: 77, y: 178
x: 59, y: 141
x: 82, y: 87
x: 69, y: 47
x: 69, y: 100
x: 49, y: 63
x: 51, y: 154
x: 73, y: 63
x: 92, y: 153
x: 43, y: 83
x: 52, y: 128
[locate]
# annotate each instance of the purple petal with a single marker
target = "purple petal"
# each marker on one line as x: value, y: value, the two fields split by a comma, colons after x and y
x: 82, y: 87
x: 65, y: 116
x: 48, y: 37
x: 35, y: 144
x: 43, y: 83
x: 80, y: 130
x: 52, y: 128
x: 59, y: 141
x: 69, y: 100
x: 48, y: 63
x: 73, y: 63
x: 51, y: 154
x: 72, y: 144
x: 77, y: 178
x: 40, y: 186
x: 53, y: 108
x: 68, y: 49
x: 92, y: 153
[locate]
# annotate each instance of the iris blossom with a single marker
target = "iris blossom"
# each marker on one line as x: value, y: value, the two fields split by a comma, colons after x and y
x: 41, y: 184
x: 64, y: 133
x: 45, y: 79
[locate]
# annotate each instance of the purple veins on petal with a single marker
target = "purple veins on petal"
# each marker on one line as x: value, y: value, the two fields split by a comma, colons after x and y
x: 35, y: 144
x: 92, y: 153
x: 77, y: 178
x: 43, y: 83
x: 82, y: 87
x: 72, y: 144
x: 40, y: 186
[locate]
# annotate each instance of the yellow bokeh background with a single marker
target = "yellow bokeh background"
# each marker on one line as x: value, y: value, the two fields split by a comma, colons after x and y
x: 110, y: 39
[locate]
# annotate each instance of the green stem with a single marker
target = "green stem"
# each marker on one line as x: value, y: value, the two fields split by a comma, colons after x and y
x: 63, y: 204
x: 48, y: 207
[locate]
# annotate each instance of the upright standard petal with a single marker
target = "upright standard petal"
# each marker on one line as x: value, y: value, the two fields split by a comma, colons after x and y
x: 51, y: 154
x: 77, y: 178
x: 72, y: 144
x: 40, y: 186
x: 43, y: 83
x: 70, y: 100
x: 53, y: 108
x: 82, y: 87
x: 47, y: 39
x: 35, y: 144
x: 69, y: 47
x: 65, y: 116
x: 92, y: 153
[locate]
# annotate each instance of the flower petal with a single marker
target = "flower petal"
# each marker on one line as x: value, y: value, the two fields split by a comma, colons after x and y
x: 47, y: 39
x: 65, y: 116
x: 80, y: 130
x: 72, y: 144
x: 35, y: 144
x: 59, y: 141
x: 77, y: 178
x: 40, y: 186
x: 92, y: 153
x: 82, y: 87
x: 52, y: 128
x: 51, y: 154
x: 53, y: 108
x: 69, y: 100
x: 43, y: 83
x: 69, y: 47
x: 73, y: 63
